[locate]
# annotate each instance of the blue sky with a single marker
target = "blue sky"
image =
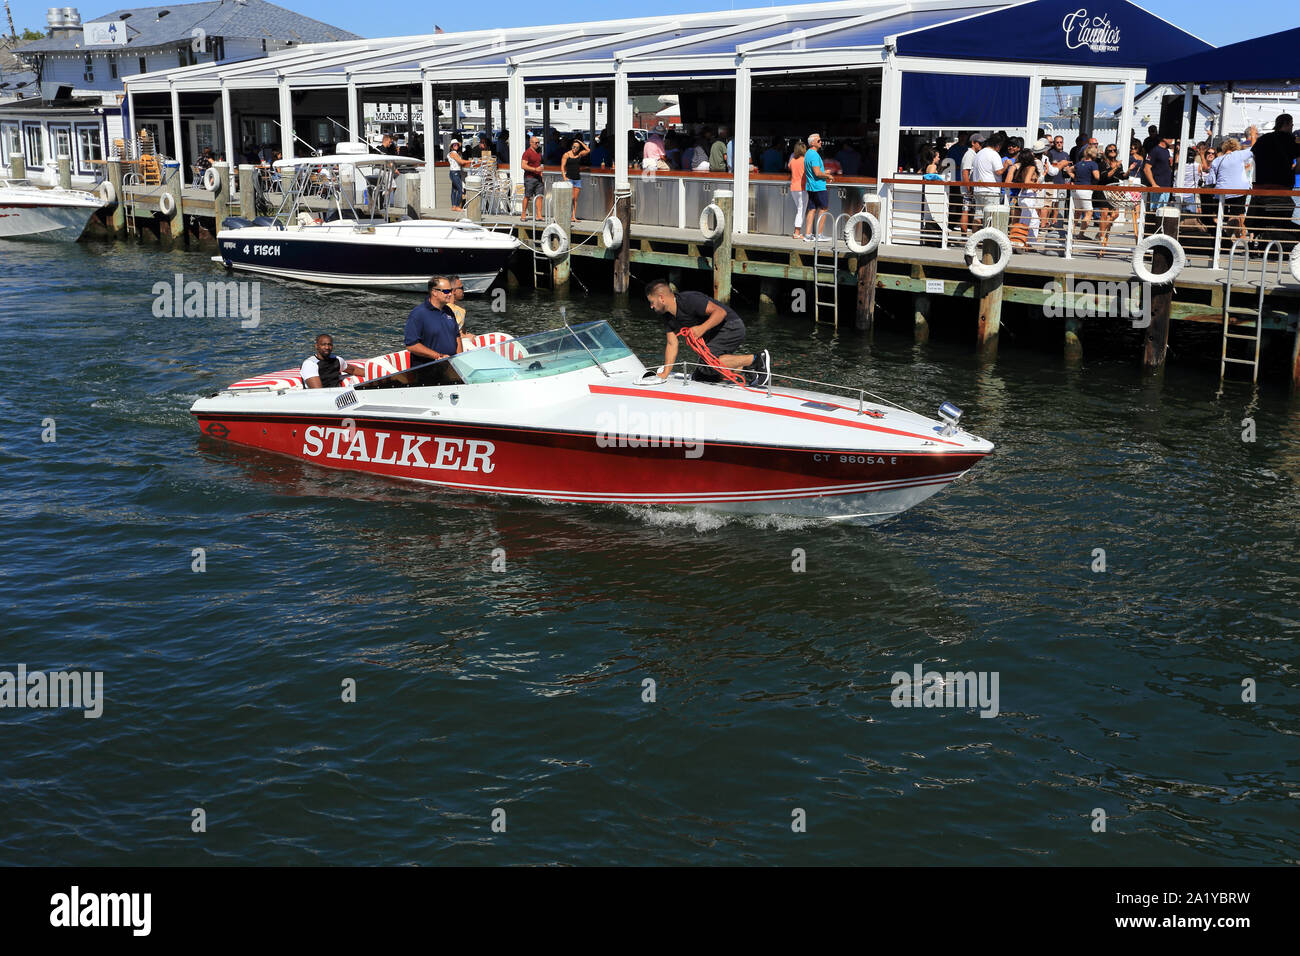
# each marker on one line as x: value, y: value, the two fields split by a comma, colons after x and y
x: 1248, y: 18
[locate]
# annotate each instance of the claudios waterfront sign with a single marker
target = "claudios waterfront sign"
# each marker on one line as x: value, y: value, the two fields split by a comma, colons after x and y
x: 1094, y: 33
x: 1082, y: 32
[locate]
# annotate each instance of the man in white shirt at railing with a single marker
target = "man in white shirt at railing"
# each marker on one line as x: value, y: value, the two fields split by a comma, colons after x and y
x: 987, y: 168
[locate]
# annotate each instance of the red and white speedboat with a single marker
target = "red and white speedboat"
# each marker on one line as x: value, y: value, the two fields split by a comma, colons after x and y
x: 30, y: 212
x: 573, y: 415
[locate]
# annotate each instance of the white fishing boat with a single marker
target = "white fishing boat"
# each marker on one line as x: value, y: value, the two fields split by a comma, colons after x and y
x: 333, y: 228
x: 28, y: 211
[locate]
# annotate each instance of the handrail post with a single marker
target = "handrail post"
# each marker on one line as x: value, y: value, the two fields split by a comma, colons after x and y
x: 1218, y: 232
x: 886, y: 213
x: 1069, y: 223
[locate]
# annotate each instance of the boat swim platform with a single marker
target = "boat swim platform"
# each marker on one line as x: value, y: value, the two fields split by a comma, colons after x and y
x: 917, y: 269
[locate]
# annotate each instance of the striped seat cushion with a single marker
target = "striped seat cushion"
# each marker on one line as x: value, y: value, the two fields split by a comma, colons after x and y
x: 376, y: 367
x: 502, y: 343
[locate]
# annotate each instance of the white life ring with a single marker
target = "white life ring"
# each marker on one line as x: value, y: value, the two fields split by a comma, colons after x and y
x: 611, y: 233
x: 977, y: 267
x: 555, y: 242
x: 1295, y: 262
x: 211, y: 179
x: 851, y: 234
x: 1146, y: 245
x: 712, y: 222
x: 106, y: 191
x: 167, y: 204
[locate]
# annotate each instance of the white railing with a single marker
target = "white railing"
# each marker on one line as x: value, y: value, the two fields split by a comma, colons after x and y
x: 1088, y: 222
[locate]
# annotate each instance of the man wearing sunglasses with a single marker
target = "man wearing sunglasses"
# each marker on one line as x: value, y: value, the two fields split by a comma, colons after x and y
x: 433, y: 334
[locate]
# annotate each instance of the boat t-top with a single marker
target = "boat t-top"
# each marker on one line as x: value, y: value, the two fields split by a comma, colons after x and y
x: 333, y: 227
x: 28, y: 211
x: 572, y: 415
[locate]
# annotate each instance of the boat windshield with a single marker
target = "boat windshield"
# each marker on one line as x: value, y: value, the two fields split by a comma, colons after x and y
x: 542, y: 354
x: 530, y: 356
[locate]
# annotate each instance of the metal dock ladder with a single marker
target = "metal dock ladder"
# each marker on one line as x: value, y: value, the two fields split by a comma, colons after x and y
x: 826, y: 274
x: 1257, y: 329
x: 541, y: 264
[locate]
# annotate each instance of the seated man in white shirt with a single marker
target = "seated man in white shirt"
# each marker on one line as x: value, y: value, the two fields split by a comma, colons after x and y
x: 324, y: 369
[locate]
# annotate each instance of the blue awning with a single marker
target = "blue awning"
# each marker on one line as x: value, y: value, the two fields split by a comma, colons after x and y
x: 956, y: 101
x: 1084, y: 32
x: 1266, y: 60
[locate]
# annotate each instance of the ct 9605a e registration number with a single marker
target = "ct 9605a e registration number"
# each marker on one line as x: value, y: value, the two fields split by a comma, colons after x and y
x: 859, y: 459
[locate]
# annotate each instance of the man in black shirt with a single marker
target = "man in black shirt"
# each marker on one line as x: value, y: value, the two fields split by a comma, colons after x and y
x: 1275, y: 155
x: 718, y: 325
x: 1158, y: 171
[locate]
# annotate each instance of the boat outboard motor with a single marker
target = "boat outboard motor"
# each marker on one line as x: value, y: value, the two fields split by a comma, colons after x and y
x: 330, y: 371
x: 235, y: 222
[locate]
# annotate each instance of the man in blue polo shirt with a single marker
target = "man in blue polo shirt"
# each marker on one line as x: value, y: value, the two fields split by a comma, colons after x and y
x: 432, y: 333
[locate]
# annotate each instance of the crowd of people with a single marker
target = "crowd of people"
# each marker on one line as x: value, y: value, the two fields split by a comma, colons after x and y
x: 978, y: 171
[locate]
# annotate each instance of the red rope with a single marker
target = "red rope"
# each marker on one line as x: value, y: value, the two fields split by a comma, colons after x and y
x: 703, y: 351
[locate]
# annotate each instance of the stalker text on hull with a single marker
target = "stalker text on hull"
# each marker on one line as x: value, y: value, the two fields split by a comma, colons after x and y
x: 352, y: 243
x: 573, y: 415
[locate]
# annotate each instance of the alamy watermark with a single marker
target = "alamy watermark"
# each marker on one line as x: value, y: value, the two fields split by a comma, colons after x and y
x: 633, y: 429
x: 951, y: 689
x: 1088, y: 299
x: 81, y: 690
x: 77, y: 908
x: 210, y: 299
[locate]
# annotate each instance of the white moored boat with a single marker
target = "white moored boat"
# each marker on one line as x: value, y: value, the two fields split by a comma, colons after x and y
x: 325, y: 232
x: 29, y: 212
x: 573, y: 415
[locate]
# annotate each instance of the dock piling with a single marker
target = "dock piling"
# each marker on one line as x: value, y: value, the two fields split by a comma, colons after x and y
x: 623, y: 261
x: 117, y: 218
x: 411, y: 182
x: 1073, y: 347
x: 562, y: 203
x: 990, y: 290
x: 921, y: 318
x: 221, y: 199
x: 173, y: 227
x: 1161, y: 296
x: 865, y: 313
x: 65, y: 171
x: 1295, y: 361
x: 722, y: 248
x: 247, y: 203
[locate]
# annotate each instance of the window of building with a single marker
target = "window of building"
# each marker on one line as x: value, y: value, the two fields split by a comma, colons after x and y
x: 89, y: 73
x: 60, y: 142
x: 10, y: 140
x: 143, y: 68
x: 34, y: 140
x: 555, y: 104
x: 89, y: 147
x: 112, y: 67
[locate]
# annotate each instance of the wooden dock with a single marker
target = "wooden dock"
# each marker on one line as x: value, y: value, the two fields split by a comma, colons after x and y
x: 783, y: 264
